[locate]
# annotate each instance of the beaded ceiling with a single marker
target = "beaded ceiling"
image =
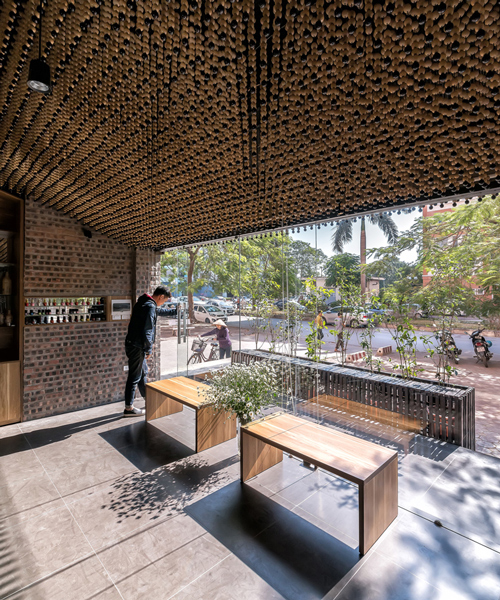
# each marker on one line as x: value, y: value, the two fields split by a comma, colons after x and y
x: 175, y: 122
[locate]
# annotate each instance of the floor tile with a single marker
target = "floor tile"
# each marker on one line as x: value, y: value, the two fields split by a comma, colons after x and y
x: 231, y: 579
x: 381, y: 579
x: 282, y: 548
x: 85, y: 580
x: 284, y: 474
x: 442, y: 557
x: 466, y: 498
x: 10, y: 431
x: 19, y: 466
x: 37, y: 547
x: 83, y: 473
x: 300, y: 490
x: 341, y: 512
x: 20, y: 498
x: 166, y: 576
x: 149, y: 545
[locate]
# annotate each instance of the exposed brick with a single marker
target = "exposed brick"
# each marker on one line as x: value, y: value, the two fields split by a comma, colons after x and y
x: 70, y: 366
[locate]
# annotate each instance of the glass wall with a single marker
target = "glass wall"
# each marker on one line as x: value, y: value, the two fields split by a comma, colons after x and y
x: 334, y: 307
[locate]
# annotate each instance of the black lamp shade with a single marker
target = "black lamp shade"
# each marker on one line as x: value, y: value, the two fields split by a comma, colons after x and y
x: 39, y: 76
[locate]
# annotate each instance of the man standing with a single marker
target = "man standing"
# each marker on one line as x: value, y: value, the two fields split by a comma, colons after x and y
x: 139, y: 344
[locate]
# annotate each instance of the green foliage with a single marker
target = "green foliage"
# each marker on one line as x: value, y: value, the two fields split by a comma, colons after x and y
x: 342, y: 233
x: 469, y: 236
x: 307, y: 261
x: 343, y: 267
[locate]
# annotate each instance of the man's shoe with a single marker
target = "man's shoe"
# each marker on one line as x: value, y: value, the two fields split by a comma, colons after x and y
x: 134, y: 412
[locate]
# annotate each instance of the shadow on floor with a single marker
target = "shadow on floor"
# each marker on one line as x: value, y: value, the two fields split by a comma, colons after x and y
x: 49, y: 435
x: 296, y: 558
x: 146, y: 446
x: 167, y: 490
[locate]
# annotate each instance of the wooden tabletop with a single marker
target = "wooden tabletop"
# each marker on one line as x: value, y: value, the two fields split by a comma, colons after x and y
x: 182, y: 389
x: 352, y: 458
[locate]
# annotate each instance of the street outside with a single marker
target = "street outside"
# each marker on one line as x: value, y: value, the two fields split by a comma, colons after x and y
x: 486, y: 381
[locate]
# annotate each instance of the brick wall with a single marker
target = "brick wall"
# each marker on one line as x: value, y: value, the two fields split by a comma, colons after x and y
x: 73, y: 366
x: 148, y: 275
x: 60, y: 260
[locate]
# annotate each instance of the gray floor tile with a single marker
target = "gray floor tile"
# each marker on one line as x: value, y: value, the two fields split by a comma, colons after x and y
x: 466, y: 496
x: 149, y: 545
x: 9, y: 431
x: 19, y: 466
x: 283, y: 475
x: 168, y: 575
x: 108, y: 512
x: 340, y: 512
x: 300, y: 490
x: 442, y: 557
x: 39, y: 546
x: 85, y: 580
x: 293, y: 556
x: 85, y: 472
x: 416, y: 475
x: 381, y: 579
x: 20, y: 498
x: 231, y: 579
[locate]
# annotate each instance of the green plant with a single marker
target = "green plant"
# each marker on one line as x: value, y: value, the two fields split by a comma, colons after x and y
x: 244, y: 390
x: 366, y: 342
x: 406, y: 339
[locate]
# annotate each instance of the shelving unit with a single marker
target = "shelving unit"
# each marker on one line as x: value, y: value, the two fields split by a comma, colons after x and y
x: 52, y: 311
x: 11, y: 268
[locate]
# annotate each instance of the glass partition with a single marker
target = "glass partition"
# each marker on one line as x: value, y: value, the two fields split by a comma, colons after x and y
x: 315, y: 303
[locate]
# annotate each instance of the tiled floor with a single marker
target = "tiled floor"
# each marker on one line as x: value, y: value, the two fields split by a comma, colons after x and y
x: 98, y: 507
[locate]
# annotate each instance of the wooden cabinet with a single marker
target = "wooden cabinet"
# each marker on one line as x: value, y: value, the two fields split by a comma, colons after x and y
x: 11, y: 312
x: 10, y: 386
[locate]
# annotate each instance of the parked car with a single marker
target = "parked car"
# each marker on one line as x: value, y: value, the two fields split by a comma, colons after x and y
x: 204, y: 313
x: 226, y: 307
x: 196, y: 300
x: 382, y: 314
x: 293, y: 304
x: 353, y: 316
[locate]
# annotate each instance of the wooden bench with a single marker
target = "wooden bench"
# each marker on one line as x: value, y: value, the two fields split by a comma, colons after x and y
x: 373, y: 468
x: 384, y: 424
x: 169, y: 396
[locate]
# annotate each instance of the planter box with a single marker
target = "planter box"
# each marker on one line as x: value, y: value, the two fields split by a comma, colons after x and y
x: 445, y: 412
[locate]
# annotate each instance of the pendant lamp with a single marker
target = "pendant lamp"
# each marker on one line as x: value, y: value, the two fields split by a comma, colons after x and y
x: 39, y: 73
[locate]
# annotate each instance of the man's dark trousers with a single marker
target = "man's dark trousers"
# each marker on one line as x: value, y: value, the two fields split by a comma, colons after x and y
x: 137, y: 373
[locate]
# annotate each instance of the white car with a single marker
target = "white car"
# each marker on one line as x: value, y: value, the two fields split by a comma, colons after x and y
x: 196, y: 300
x: 352, y: 316
x: 226, y: 307
x: 208, y: 314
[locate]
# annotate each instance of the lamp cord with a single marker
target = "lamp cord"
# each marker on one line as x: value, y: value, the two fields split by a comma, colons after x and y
x: 40, y: 33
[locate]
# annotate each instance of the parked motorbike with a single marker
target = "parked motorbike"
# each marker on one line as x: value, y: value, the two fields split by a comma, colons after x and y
x: 447, y: 345
x: 481, y: 346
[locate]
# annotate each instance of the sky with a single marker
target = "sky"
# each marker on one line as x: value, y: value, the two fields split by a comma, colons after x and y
x: 374, y: 237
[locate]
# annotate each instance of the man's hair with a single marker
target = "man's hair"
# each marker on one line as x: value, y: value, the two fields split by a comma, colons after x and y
x: 161, y: 290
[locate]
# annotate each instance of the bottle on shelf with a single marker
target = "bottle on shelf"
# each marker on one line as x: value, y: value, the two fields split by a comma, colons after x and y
x: 6, y: 284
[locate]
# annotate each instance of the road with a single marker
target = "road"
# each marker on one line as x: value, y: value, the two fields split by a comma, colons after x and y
x: 382, y: 337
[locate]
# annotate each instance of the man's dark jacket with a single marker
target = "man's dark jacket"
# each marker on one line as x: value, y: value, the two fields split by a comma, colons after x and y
x: 142, y: 326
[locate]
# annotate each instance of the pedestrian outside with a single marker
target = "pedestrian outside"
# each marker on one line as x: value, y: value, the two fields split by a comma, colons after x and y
x: 221, y: 333
x: 320, y: 323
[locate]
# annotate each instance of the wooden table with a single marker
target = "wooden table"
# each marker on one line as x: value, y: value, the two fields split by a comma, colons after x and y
x: 372, y: 468
x: 169, y: 396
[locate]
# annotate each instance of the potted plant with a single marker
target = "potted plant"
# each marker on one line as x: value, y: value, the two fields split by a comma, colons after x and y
x: 244, y: 390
